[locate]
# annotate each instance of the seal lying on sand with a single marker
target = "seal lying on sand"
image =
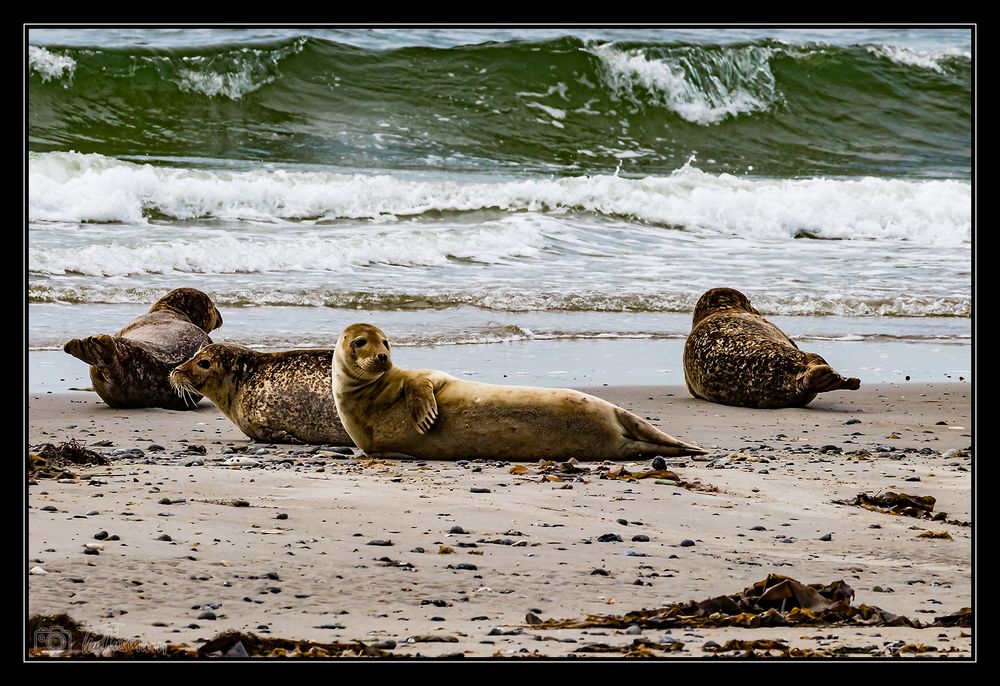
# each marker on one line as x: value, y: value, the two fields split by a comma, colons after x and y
x: 734, y: 356
x: 130, y: 369
x: 431, y: 415
x: 281, y: 397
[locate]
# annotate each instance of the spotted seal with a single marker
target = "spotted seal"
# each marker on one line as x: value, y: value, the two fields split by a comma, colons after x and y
x: 734, y: 356
x: 282, y: 397
x: 131, y: 368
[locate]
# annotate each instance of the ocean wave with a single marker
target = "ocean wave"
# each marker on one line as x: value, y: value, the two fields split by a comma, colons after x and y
x: 935, y: 60
x: 489, y: 242
x: 72, y: 187
x: 564, y: 104
x: 50, y: 66
x: 702, y: 86
x: 515, y: 300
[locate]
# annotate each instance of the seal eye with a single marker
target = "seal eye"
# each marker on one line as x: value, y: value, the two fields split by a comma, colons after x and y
x: 360, y: 343
x: 204, y: 364
x: 385, y: 343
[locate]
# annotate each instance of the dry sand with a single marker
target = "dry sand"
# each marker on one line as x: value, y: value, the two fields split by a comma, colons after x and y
x: 331, y: 585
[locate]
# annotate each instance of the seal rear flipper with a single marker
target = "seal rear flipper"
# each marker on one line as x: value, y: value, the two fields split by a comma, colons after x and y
x: 94, y: 350
x: 820, y: 378
x: 655, y: 441
x: 421, y: 402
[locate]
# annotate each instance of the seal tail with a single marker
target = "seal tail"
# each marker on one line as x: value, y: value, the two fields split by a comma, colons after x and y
x: 94, y: 350
x: 655, y: 441
x: 820, y: 378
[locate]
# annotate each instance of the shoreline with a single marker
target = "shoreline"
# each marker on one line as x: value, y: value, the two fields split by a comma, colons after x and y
x: 767, y: 465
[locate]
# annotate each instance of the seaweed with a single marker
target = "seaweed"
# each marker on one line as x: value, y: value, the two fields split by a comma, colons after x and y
x: 775, y: 601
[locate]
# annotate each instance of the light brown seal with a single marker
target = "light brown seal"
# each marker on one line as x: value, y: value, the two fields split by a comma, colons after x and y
x: 431, y: 415
x: 734, y: 356
x: 131, y: 368
x: 282, y: 397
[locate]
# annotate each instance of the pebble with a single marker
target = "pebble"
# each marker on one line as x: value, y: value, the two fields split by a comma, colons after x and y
x: 438, y: 618
x: 532, y: 618
x: 479, y: 490
x: 379, y: 541
x: 207, y: 615
x: 758, y: 528
x: 50, y: 508
x: 600, y: 572
x: 273, y: 576
x: 155, y: 447
x: 852, y: 420
x: 195, y: 463
x: 168, y: 501
x: 659, y: 463
x: 609, y: 538
x: 37, y: 570
x: 826, y: 537
x: 281, y: 515
x: 93, y: 512
x: 641, y: 538
x: 91, y: 551
x: 623, y: 522
x: 687, y: 543
x: 385, y: 645
x: 457, y: 530
x: 634, y: 630
x: 101, y: 535
x: 466, y: 566
x: 912, y: 478
x: 164, y: 537
x: 710, y: 645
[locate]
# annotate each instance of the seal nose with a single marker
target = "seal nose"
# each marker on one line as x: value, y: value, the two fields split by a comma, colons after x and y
x: 382, y: 357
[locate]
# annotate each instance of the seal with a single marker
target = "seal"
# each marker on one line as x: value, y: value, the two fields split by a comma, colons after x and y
x: 281, y: 397
x: 428, y: 414
x: 131, y: 368
x: 734, y: 356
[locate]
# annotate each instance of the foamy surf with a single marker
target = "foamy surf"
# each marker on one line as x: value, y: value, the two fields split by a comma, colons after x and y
x: 73, y: 187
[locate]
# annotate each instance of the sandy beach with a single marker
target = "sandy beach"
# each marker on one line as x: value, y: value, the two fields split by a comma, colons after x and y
x: 332, y: 547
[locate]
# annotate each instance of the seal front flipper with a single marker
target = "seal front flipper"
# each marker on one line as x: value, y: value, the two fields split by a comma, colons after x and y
x: 421, y: 402
x: 94, y: 350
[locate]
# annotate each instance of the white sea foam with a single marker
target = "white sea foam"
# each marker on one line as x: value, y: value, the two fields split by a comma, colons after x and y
x: 50, y: 65
x: 230, y: 85
x: 913, y: 57
x: 73, y: 187
x: 717, y: 85
x: 410, y: 245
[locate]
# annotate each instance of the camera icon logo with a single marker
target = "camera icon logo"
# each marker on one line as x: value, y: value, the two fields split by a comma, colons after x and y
x: 53, y: 638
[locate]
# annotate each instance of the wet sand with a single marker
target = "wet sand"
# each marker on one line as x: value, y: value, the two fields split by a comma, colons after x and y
x: 332, y: 583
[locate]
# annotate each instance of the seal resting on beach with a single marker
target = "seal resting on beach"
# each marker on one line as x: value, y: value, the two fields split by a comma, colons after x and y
x: 428, y: 414
x: 281, y: 397
x: 734, y: 356
x: 131, y: 368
